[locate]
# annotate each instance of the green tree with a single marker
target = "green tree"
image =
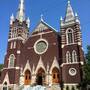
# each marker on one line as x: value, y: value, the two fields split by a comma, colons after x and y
x: 86, y: 71
x: 1, y: 66
x: 88, y: 54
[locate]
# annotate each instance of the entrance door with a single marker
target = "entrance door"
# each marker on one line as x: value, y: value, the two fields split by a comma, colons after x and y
x: 39, y: 80
x: 40, y: 77
x: 27, y: 77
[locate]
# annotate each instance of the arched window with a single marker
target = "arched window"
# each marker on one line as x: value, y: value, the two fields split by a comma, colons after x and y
x: 68, y: 57
x: 5, y: 86
x: 74, y: 56
x: 27, y: 77
x: 69, y: 36
x: 11, y: 60
x: 55, y: 75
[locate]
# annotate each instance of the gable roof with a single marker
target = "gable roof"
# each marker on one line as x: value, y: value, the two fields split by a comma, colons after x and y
x: 41, y: 26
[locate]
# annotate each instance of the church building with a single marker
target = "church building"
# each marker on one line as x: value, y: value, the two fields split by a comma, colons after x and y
x: 44, y: 57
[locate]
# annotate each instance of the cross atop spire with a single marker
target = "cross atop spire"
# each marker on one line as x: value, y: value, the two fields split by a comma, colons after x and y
x: 42, y: 17
x: 21, y: 14
x: 69, y: 13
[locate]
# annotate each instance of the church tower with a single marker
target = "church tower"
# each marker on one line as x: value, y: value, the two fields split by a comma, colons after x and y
x: 18, y: 34
x: 72, y: 53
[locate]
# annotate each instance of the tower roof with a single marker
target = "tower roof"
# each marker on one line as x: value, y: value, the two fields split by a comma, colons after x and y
x: 20, y: 13
x: 69, y: 12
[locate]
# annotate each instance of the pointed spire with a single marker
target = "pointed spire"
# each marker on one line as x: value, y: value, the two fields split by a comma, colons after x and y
x: 28, y: 22
x: 69, y: 13
x: 11, y: 19
x: 21, y: 13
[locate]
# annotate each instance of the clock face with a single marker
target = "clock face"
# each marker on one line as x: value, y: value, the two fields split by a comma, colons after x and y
x: 40, y: 46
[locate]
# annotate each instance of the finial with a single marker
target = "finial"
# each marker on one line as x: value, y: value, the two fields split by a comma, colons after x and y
x: 68, y: 1
x: 42, y: 17
x: 22, y: 1
x: 28, y: 22
x: 11, y: 18
x: 61, y: 18
x: 76, y: 14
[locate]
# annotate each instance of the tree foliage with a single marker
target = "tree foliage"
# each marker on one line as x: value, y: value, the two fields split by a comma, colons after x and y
x: 86, y: 69
x: 88, y: 54
x: 1, y: 66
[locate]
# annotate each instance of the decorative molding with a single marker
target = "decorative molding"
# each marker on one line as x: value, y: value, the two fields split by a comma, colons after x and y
x: 54, y: 64
x: 72, y: 71
x: 19, y: 38
x: 69, y: 63
x: 41, y: 33
x: 40, y: 65
x: 27, y: 66
x: 18, y: 52
x: 41, y: 40
x: 6, y: 79
x: 67, y: 35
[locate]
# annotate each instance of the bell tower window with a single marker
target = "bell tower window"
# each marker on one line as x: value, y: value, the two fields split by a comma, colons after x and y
x: 11, y: 60
x: 68, y: 57
x: 74, y: 56
x: 69, y: 36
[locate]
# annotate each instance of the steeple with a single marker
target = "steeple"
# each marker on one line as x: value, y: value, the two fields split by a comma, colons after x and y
x: 69, y: 13
x: 21, y: 14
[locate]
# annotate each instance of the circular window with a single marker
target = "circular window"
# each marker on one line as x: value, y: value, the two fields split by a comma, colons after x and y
x: 72, y: 71
x: 41, y: 46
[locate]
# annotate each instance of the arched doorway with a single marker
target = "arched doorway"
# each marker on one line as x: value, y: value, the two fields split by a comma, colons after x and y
x: 55, y: 75
x: 5, y: 86
x: 40, y: 78
x: 27, y: 77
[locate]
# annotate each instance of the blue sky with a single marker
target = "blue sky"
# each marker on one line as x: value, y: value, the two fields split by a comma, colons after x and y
x: 52, y: 10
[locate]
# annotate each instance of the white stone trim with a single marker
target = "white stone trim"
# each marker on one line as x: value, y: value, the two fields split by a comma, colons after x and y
x: 41, y: 39
x: 41, y: 33
x: 68, y: 57
x: 40, y: 65
x: 72, y: 73
x: 74, y: 56
x: 69, y: 63
x: 18, y: 52
x: 82, y: 63
x: 54, y: 64
x: 70, y: 84
x: 11, y: 68
x: 6, y: 79
x: 27, y: 66
x: 67, y: 35
x: 14, y: 46
x: 19, y: 38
